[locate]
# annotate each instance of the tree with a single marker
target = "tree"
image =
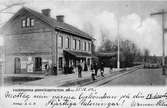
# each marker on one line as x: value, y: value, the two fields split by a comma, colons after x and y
x: 8, y: 5
x: 92, y: 47
x: 146, y: 55
x: 128, y: 51
x: 108, y: 46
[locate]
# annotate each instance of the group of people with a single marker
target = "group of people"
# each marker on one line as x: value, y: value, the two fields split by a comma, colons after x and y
x: 94, y: 69
x: 48, y: 69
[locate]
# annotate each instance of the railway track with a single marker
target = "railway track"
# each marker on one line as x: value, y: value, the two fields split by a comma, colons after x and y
x: 103, y: 80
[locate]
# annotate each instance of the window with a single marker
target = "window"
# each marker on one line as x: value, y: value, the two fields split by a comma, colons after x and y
x: 67, y: 42
x: 38, y: 63
x: 28, y: 22
x: 60, y: 62
x: 89, y: 46
x: 17, y: 65
x: 74, y: 44
x: 60, y: 42
x: 23, y: 23
x: 32, y: 22
x: 79, y: 44
x: 85, y: 46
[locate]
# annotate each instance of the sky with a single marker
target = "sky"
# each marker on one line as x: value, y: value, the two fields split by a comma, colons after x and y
x: 127, y: 19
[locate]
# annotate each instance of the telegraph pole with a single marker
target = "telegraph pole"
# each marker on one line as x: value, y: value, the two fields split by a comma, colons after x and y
x: 118, y: 51
x: 162, y: 13
x: 118, y: 56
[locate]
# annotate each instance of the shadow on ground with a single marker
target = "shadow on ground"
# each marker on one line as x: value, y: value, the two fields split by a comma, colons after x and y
x: 19, y: 80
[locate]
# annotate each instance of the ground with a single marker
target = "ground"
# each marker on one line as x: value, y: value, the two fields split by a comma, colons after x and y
x: 141, y: 77
x: 132, y: 77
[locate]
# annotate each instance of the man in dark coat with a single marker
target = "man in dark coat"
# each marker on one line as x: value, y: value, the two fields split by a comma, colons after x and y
x: 96, y: 68
x: 55, y: 70
x: 46, y: 69
x: 102, y: 69
x: 79, y: 70
x: 93, y: 72
x: 85, y: 67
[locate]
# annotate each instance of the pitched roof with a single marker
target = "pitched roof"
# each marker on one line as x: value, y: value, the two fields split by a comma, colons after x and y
x: 62, y: 26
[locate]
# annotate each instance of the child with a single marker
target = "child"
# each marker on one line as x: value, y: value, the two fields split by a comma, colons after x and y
x: 46, y: 69
x: 79, y: 71
x: 102, y: 69
x: 93, y: 73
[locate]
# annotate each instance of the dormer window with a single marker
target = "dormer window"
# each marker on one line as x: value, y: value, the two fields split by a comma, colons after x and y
x: 23, y: 23
x: 32, y: 22
x: 28, y: 22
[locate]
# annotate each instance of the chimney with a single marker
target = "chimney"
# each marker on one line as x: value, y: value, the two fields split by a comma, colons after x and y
x: 46, y: 12
x: 60, y: 18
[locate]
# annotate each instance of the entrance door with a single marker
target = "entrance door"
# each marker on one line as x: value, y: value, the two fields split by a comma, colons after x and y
x: 38, y: 64
x: 67, y: 63
x: 17, y: 65
x: 60, y: 62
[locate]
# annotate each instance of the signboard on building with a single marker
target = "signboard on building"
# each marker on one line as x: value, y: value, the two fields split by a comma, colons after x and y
x: 30, y: 67
x: 23, y: 64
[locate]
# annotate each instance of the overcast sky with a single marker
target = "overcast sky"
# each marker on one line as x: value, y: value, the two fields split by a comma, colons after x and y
x: 97, y: 17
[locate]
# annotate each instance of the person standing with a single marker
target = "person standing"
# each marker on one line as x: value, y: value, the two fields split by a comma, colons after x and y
x: 82, y: 64
x: 96, y: 68
x: 46, y: 69
x: 71, y: 69
x: 102, y: 69
x: 93, y: 72
x: 79, y: 70
x: 85, y: 67
x: 55, y: 70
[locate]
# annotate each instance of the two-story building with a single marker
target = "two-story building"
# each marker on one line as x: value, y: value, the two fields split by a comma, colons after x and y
x: 33, y: 39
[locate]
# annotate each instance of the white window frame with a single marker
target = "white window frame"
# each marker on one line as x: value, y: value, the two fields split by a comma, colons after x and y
x: 60, y: 41
x: 74, y: 44
x: 27, y: 22
x: 77, y: 44
x: 80, y: 46
x: 89, y: 46
x: 85, y: 46
x: 32, y: 22
x: 23, y: 23
x: 67, y: 42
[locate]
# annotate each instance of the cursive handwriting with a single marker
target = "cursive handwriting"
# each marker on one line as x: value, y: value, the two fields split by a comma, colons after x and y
x: 162, y: 102
x: 54, y: 103
x: 17, y: 95
x: 156, y: 96
x: 94, y: 95
x: 84, y: 97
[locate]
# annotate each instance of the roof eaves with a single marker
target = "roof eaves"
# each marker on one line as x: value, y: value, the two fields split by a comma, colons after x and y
x: 72, y: 32
x: 48, y: 20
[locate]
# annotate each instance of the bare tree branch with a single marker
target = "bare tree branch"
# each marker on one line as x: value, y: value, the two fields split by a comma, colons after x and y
x: 12, y: 5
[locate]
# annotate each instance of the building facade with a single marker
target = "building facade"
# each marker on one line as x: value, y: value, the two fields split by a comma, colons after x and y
x: 33, y: 39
